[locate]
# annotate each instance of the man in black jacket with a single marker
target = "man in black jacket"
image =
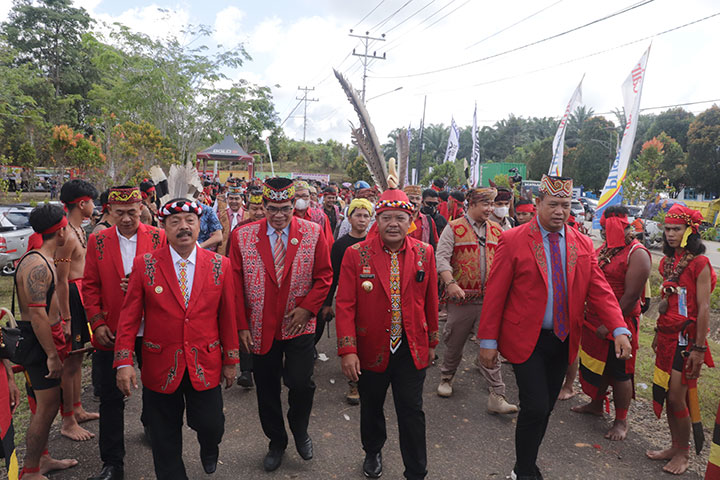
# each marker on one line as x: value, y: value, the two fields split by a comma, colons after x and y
x: 430, y: 202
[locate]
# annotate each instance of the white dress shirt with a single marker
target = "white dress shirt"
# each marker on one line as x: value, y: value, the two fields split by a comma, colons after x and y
x: 272, y: 235
x: 235, y: 217
x: 189, y: 268
x: 128, y: 247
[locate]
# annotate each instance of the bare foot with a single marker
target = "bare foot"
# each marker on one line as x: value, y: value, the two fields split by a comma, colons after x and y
x: 81, y: 415
x: 73, y: 431
x: 49, y: 464
x: 588, y: 408
x: 666, y: 454
x: 566, y: 393
x: 678, y: 464
x: 618, y: 431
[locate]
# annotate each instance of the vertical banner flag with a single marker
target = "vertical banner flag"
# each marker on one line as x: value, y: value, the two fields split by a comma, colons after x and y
x: 632, y: 91
x: 453, y: 143
x: 407, y: 160
x: 556, y: 164
x: 475, y: 156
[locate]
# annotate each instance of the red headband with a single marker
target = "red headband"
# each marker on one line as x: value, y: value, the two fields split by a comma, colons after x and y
x: 614, y: 230
x: 525, y: 208
x: 77, y: 200
x: 62, y: 223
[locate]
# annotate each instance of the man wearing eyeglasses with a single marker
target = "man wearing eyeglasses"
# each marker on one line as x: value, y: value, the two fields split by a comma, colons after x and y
x: 284, y: 274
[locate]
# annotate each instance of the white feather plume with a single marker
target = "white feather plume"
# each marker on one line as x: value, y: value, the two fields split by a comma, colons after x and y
x: 183, y: 182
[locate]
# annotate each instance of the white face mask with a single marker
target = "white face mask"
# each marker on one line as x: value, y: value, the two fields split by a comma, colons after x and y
x: 501, y: 212
x: 301, y: 204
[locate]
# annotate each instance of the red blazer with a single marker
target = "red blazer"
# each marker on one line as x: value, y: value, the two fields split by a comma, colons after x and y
x: 516, y: 292
x: 201, y: 337
x: 102, y: 296
x: 261, y: 303
x: 363, y: 318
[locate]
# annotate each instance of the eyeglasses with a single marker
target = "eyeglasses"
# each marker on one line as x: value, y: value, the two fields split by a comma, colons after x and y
x: 431, y: 204
x: 275, y: 210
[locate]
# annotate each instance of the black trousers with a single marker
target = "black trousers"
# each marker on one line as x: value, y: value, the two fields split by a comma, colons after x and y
x: 112, y: 411
x: 292, y: 361
x: 407, y: 387
x: 246, y: 362
x: 164, y: 413
x: 539, y: 381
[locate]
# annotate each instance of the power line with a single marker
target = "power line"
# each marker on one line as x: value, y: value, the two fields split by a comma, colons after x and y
x: 305, y: 99
x: 446, y: 15
x: 365, y: 56
x: 397, y: 40
x: 599, y: 52
x: 412, y: 15
x: 512, y: 50
x: 668, y: 106
x: 291, y: 112
x: 391, y: 15
x: 513, y: 25
x: 369, y: 13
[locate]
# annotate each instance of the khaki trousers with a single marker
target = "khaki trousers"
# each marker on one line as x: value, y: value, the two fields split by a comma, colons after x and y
x: 460, y: 322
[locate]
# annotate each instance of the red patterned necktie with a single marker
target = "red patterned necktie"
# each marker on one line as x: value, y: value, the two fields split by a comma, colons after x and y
x: 395, y: 303
x: 560, y: 305
x: 279, y: 255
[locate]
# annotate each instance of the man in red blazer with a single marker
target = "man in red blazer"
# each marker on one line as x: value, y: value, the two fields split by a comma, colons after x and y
x: 186, y: 295
x: 282, y: 275
x: 387, y: 329
x: 108, y: 264
x: 542, y: 276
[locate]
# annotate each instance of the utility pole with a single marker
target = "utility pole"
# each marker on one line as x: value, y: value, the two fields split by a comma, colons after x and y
x: 305, y: 99
x: 365, y: 56
x: 420, y: 142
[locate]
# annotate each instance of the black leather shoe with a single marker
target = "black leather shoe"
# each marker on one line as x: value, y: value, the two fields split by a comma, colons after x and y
x: 245, y: 380
x: 372, y: 466
x: 273, y: 459
x: 109, y: 472
x: 305, y: 447
x: 209, y: 460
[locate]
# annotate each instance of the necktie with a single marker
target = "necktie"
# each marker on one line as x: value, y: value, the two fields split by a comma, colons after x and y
x: 395, y: 303
x: 183, y: 280
x: 279, y: 255
x: 560, y: 307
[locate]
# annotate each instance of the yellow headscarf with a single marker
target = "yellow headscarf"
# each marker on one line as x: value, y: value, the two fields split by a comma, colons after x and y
x: 360, y: 203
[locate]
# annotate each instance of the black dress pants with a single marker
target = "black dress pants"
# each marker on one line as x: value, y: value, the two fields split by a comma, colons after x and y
x: 407, y: 387
x: 112, y: 411
x: 164, y: 415
x: 292, y: 361
x: 539, y: 381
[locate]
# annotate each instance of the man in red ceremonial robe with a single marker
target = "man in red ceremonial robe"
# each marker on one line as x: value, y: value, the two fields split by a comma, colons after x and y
x: 680, y: 335
x: 543, y: 275
x: 185, y: 298
x: 108, y: 263
x: 282, y: 275
x: 387, y: 329
x: 626, y: 264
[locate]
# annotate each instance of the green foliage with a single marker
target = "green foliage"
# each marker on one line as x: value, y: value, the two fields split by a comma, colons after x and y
x: 589, y: 163
x: 357, y: 170
x: 660, y: 165
x: 711, y: 234
x: 502, y: 180
x: 703, y: 162
x: 451, y: 172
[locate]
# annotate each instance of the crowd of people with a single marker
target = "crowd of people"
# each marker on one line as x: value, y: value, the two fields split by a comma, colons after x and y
x: 238, y: 284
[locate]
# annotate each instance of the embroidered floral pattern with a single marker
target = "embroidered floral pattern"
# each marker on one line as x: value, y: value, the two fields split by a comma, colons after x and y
x: 539, y: 252
x: 572, y: 257
x: 199, y: 371
x: 155, y: 238
x: 217, y: 268
x: 150, y: 262
x: 98, y: 317
x: 172, y: 373
x: 302, y: 270
x: 151, y: 346
x: 100, y: 245
x: 233, y: 354
x: 214, y: 344
x: 346, y: 341
x: 121, y: 355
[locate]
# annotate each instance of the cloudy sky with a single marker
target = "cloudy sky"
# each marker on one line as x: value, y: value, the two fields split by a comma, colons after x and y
x: 295, y: 43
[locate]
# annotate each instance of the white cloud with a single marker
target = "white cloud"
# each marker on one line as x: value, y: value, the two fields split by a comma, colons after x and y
x: 228, y: 26
x: 154, y: 20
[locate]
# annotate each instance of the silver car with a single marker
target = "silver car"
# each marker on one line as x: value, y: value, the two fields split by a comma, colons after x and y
x: 577, y: 210
x: 14, y: 233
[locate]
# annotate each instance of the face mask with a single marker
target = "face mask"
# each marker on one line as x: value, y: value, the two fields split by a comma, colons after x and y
x: 501, y: 212
x: 427, y: 210
x: 301, y: 204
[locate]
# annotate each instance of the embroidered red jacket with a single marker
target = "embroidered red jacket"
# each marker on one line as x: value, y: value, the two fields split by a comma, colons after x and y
x: 102, y: 296
x: 262, y: 301
x: 364, y: 313
x: 201, y: 337
x: 516, y: 291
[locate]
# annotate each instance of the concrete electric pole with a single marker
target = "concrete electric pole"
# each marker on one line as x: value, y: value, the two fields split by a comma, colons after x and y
x: 305, y: 99
x: 365, y: 56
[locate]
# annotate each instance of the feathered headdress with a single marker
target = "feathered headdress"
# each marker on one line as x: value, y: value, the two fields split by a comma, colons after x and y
x: 364, y: 136
x: 403, y: 153
x: 181, y: 182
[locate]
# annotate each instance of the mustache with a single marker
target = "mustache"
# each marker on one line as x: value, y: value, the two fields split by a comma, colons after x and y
x: 184, y: 233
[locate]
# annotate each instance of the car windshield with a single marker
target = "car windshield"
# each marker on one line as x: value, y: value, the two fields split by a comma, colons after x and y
x: 19, y: 219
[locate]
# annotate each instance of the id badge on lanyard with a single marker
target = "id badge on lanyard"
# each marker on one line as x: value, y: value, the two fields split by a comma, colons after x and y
x: 682, y: 301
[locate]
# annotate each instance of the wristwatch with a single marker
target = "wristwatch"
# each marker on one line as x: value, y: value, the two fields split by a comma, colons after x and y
x: 450, y: 282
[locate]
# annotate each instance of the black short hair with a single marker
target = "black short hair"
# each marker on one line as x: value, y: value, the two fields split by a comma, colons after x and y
x: 104, y: 197
x: 443, y: 195
x: 74, y: 189
x: 694, y: 245
x: 458, y: 195
x: 46, y: 216
x: 429, y: 192
x: 615, y: 211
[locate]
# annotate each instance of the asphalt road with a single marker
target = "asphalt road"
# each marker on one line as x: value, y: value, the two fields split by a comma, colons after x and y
x: 464, y: 441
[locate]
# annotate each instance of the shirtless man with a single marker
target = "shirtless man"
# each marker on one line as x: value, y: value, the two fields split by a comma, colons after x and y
x: 39, y: 309
x: 78, y: 197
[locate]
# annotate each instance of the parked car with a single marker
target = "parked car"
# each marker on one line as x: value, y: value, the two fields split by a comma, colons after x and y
x: 577, y: 210
x: 15, y: 230
x: 590, y: 207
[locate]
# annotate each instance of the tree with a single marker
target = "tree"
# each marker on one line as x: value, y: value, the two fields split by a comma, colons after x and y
x: 704, y: 150
x: 539, y: 158
x: 646, y: 176
x: 72, y: 149
x: 575, y: 124
x: 451, y: 172
x: 357, y: 170
x: 675, y: 122
x: 589, y: 163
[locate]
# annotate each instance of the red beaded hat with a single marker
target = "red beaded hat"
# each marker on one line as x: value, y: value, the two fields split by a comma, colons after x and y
x: 556, y: 186
x: 394, y: 199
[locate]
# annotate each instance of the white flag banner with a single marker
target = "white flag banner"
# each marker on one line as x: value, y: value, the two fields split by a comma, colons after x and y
x: 407, y: 160
x: 556, y: 165
x: 475, y: 156
x: 453, y: 143
x: 632, y: 92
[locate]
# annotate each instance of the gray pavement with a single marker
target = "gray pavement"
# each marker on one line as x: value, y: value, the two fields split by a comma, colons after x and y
x: 463, y: 441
